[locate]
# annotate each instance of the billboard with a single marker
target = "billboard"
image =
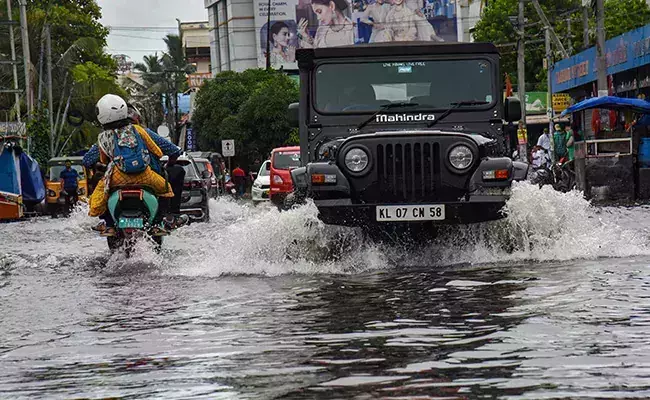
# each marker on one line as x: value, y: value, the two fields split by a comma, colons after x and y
x: 330, y: 23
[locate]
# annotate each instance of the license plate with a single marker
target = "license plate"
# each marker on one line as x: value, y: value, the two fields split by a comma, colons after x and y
x: 137, y: 223
x: 425, y: 212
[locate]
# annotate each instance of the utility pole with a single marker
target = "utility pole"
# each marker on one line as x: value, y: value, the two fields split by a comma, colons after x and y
x: 12, y: 41
x: 521, y: 81
x: 585, y: 25
x: 549, y: 96
x: 547, y: 24
x: 601, y: 60
x: 29, y: 92
x: 268, y: 36
x: 50, y: 101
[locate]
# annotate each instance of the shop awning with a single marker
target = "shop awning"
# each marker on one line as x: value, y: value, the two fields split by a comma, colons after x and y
x: 610, y: 103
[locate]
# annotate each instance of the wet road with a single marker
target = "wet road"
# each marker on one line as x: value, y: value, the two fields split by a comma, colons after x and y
x: 553, y: 302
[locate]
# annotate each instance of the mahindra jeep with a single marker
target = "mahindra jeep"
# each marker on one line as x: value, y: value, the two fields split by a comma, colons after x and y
x: 403, y: 133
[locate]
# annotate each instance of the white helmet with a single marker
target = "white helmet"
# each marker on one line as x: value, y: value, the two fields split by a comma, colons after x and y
x: 111, y: 108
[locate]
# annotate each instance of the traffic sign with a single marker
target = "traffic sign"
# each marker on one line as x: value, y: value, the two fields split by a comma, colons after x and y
x: 228, y: 148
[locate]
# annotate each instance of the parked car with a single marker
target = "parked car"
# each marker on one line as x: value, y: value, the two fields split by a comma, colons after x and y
x: 204, y: 164
x: 194, y: 200
x: 262, y: 184
x: 283, y: 160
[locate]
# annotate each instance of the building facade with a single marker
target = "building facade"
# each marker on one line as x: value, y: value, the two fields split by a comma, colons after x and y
x: 195, y: 38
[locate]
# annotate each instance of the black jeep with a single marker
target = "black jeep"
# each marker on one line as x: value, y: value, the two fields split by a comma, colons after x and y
x: 404, y: 133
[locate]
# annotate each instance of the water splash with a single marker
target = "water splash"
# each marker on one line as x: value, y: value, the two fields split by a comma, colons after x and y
x: 247, y: 239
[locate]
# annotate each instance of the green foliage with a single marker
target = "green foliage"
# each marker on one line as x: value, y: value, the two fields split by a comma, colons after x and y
x: 249, y: 107
x: 625, y: 15
x: 620, y: 16
x: 39, y: 131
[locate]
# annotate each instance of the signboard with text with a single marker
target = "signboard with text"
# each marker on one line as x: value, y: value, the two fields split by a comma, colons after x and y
x: 196, y: 80
x: 627, y: 51
x: 561, y: 101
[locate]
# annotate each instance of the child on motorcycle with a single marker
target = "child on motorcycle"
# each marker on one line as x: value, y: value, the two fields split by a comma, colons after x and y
x: 126, y: 149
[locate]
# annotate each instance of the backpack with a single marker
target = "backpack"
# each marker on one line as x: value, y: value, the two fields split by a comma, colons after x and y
x: 130, y: 154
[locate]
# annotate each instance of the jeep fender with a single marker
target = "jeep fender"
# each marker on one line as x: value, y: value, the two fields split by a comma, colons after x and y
x: 301, y: 178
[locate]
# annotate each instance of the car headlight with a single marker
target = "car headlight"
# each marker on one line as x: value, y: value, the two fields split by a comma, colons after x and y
x: 356, y: 160
x: 461, y: 157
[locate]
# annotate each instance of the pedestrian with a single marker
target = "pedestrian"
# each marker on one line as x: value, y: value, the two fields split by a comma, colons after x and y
x: 570, y: 142
x: 544, y: 140
x: 70, y: 182
x: 239, y: 179
x: 559, y: 140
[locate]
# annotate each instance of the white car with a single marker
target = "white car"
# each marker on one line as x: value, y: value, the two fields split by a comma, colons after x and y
x: 262, y: 184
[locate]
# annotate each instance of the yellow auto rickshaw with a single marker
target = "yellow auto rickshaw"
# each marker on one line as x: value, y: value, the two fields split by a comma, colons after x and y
x: 56, y: 202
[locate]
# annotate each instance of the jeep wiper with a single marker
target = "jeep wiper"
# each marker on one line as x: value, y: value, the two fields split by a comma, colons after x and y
x: 456, y: 106
x: 385, y: 107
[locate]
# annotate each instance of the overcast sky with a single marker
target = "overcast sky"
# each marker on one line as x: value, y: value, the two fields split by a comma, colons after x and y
x: 141, y: 16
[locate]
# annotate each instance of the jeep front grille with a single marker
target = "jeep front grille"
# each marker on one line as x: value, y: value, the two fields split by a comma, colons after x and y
x: 408, y: 172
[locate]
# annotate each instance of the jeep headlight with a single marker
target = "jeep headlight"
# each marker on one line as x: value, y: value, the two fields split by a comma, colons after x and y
x: 461, y: 157
x: 356, y: 160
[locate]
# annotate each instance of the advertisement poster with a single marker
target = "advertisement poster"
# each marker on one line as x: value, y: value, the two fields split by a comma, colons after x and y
x: 330, y: 23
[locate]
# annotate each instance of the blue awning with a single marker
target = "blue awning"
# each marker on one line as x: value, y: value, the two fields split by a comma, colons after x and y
x: 610, y: 103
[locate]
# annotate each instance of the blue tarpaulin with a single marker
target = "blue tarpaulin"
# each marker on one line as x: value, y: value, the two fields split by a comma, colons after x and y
x: 8, y: 173
x: 610, y: 103
x: 31, y: 180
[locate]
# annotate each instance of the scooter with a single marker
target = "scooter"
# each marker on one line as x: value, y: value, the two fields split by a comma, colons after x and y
x: 134, y: 210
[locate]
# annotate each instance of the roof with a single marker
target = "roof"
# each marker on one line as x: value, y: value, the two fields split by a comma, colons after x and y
x: 288, y: 148
x: 396, y: 49
x: 610, y: 103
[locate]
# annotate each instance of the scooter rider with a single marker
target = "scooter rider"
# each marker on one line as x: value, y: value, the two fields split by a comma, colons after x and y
x: 91, y: 159
x: 127, y: 150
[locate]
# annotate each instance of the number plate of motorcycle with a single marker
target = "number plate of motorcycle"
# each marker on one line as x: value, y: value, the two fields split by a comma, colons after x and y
x: 424, y: 212
x: 136, y: 223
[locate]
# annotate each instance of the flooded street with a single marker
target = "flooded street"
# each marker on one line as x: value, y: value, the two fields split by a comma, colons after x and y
x: 552, y: 302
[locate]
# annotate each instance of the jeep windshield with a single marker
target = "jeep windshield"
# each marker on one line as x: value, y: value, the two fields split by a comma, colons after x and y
x: 433, y: 84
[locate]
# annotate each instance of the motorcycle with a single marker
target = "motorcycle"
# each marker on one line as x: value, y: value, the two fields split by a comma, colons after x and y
x: 134, y: 211
x: 560, y: 176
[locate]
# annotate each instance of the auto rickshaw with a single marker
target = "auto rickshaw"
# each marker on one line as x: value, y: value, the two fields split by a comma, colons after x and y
x: 56, y: 202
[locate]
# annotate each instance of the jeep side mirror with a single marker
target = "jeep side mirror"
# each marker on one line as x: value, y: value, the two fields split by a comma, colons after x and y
x: 293, y: 114
x: 512, y: 109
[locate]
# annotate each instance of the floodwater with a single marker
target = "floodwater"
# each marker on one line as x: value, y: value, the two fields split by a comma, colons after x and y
x: 552, y: 302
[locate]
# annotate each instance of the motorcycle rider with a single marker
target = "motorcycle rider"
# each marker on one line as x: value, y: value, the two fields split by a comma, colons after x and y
x: 127, y: 150
x: 169, y: 149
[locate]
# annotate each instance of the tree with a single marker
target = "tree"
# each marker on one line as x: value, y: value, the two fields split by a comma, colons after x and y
x: 625, y: 15
x: 249, y: 107
x: 78, y: 39
x: 165, y: 77
x: 620, y: 16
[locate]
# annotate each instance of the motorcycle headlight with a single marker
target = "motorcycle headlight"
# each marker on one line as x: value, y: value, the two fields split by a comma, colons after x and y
x: 461, y: 157
x: 356, y: 160
x: 51, y: 193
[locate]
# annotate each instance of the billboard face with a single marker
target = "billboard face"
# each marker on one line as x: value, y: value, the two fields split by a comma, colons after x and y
x: 330, y: 23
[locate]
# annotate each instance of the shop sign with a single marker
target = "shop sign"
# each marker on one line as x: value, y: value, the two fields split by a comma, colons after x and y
x: 535, y: 102
x: 561, y: 101
x: 625, y: 52
x: 196, y: 80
